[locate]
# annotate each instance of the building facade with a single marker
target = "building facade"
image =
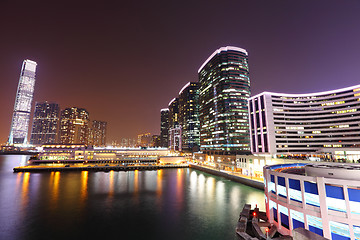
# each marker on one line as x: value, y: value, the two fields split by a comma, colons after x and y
x: 22, y: 108
x: 45, y: 123
x: 174, y: 134
x: 223, y: 93
x: 305, y: 124
x: 144, y: 140
x: 98, y: 130
x: 173, y: 113
x: 323, y: 198
x: 189, y: 116
x: 155, y: 141
x: 164, y: 127
x: 74, y: 126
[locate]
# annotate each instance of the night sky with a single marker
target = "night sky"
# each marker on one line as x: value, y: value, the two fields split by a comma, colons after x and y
x: 125, y: 60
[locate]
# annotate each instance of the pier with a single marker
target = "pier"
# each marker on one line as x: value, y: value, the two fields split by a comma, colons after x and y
x: 103, y: 168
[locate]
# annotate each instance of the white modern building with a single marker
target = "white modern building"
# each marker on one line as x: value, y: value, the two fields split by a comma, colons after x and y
x: 22, y: 108
x: 323, y: 198
x: 323, y: 124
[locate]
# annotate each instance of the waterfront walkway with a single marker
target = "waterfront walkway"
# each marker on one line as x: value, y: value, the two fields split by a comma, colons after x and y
x: 253, y: 182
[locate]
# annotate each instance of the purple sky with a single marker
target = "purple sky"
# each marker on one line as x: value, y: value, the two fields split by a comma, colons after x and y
x: 125, y: 60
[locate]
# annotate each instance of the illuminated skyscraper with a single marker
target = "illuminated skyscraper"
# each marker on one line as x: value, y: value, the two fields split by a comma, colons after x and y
x: 189, y: 116
x: 144, y: 140
x: 99, y: 133
x: 164, y: 128
x: 174, y: 127
x: 22, y: 108
x: 224, y: 90
x: 45, y: 123
x: 74, y: 126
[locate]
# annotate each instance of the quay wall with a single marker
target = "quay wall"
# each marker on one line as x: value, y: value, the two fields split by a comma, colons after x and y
x: 249, y: 182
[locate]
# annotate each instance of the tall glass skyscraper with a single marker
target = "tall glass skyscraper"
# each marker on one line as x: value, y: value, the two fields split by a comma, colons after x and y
x: 45, y: 123
x: 74, y: 126
x: 223, y: 93
x: 22, y: 108
x: 164, y: 128
x: 189, y: 116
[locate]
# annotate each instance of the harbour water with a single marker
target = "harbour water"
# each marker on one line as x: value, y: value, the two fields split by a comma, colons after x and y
x: 164, y: 204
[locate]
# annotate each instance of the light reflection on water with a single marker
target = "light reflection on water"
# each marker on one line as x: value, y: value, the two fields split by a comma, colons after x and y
x: 162, y: 204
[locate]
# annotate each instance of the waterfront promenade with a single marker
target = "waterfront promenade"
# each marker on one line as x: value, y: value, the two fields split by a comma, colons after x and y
x: 236, y: 177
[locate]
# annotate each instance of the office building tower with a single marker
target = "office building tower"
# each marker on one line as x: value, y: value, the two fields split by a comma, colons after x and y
x: 223, y: 93
x: 22, y: 108
x: 99, y: 133
x: 74, y: 126
x: 174, y: 127
x: 175, y: 138
x: 325, y: 125
x: 173, y: 113
x: 189, y: 116
x: 164, y: 127
x: 45, y: 123
x: 144, y: 140
x: 155, y: 142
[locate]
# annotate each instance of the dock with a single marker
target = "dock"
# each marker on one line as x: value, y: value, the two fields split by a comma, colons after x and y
x: 96, y: 168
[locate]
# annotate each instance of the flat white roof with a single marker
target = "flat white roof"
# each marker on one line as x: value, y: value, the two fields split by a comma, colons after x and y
x: 306, y: 94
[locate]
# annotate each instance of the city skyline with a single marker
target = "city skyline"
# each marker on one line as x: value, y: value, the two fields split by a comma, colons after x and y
x: 134, y: 57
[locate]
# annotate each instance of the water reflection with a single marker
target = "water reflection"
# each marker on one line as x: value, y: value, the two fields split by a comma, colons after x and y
x: 179, y: 184
x: 163, y: 203
x: 111, y: 183
x: 136, y: 181
x: 18, y: 180
x: 54, y: 182
x: 25, y: 190
x: 159, y: 176
x: 84, y: 185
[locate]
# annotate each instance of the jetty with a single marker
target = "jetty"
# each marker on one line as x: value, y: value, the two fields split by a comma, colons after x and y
x: 99, y: 168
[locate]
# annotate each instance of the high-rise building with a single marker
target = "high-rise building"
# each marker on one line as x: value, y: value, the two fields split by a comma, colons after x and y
x: 174, y: 127
x: 22, y: 108
x: 173, y: 113
x: 155, y: 142
x: 74, y: 126
x: 144, y: 140
x: 322, y: 125
x: 164, y: 127
x: 175, y: 142
x: 223, y: 93
x: 128, y: 143
x: 45, y: 123
x: 98, y: 133
x: 189, y: 116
